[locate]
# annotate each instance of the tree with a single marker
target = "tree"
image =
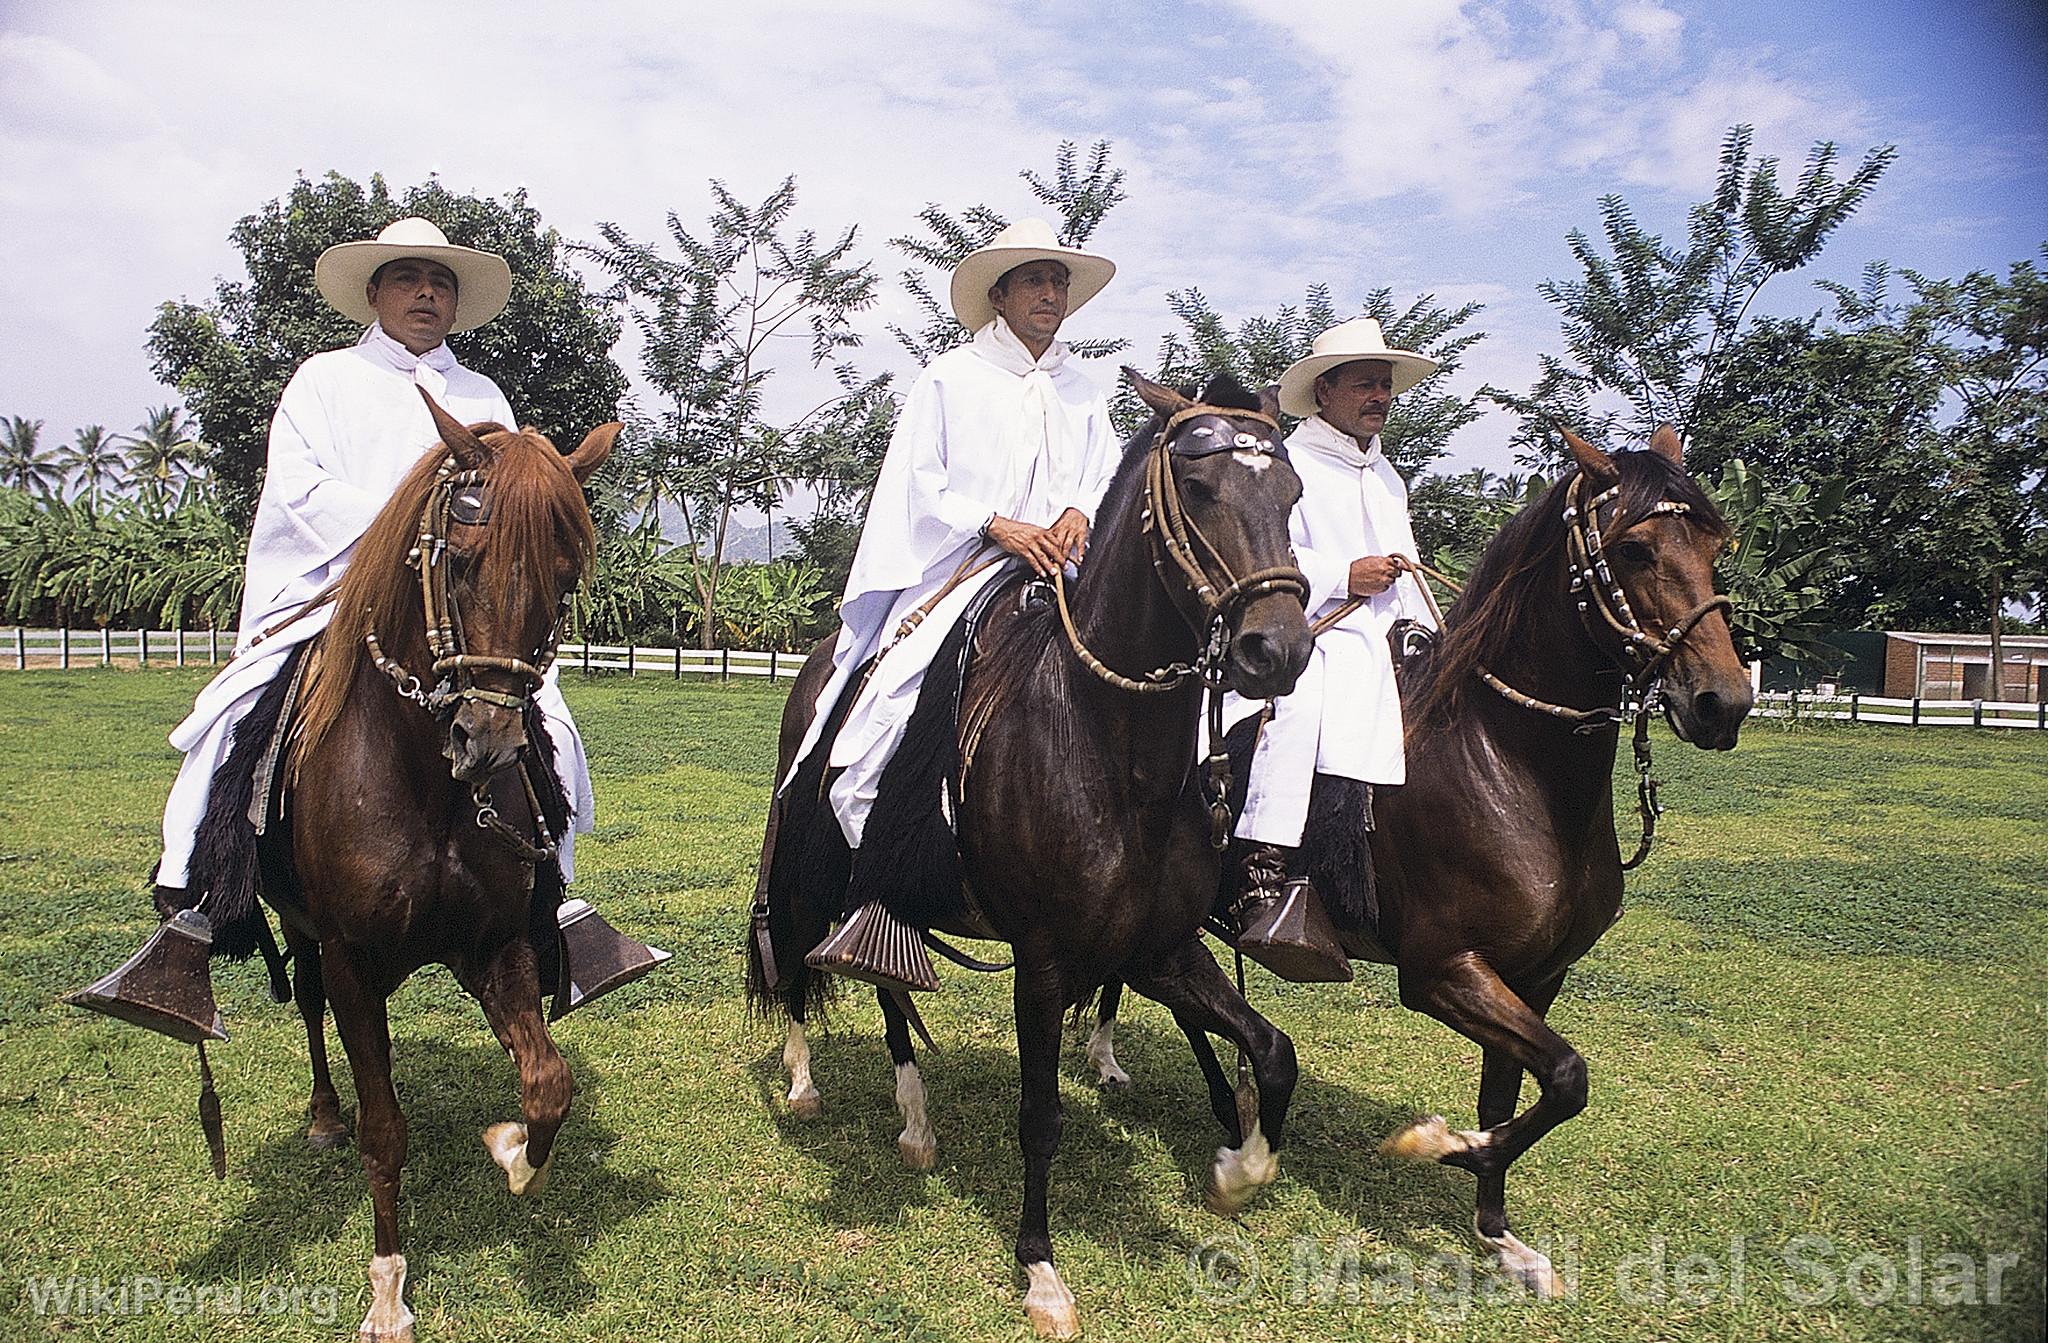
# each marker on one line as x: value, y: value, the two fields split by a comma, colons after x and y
x: 1651, y: 325
x: 96, y: 461
x: 24, y: 464
x: 230, y: 358
x: 162, y: 456
x: 712, y: 318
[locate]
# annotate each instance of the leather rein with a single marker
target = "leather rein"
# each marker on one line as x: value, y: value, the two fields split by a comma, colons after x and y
x: 1204, y: 573
x: 459, y: 496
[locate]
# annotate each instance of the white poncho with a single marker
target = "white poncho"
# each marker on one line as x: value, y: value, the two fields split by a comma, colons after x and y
x: 986, y: 431
x: 1344, y: 716
x: 348, y: 428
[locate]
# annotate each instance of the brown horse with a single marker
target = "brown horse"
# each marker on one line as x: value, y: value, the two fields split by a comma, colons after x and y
x: 1083, y: 836
x: 394, y: 865
x: 1496, y: 864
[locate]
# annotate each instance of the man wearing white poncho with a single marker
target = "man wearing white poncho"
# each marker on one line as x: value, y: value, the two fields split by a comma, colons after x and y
x: 1003, y: 448
x: 348, y: 428
x: 1350, y: 531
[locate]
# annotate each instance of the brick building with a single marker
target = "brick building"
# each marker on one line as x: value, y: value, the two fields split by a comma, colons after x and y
x: 1958, y: 667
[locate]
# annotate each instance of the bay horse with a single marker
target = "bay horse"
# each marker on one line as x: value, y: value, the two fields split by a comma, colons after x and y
x: 406, y: 844
x: 1083, y: 837
x: 1496, y: 865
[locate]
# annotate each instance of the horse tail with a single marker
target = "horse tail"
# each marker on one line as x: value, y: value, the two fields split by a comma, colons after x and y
x: 225, y: 873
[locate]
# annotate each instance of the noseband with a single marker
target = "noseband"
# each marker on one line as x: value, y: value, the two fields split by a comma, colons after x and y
x: 460, y: 496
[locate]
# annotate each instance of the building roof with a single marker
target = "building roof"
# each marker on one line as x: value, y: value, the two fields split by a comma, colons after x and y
x: 2031, y: 642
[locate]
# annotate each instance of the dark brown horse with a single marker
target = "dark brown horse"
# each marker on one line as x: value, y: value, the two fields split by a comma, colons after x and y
x: 395, y: 868
x: 1083, y: 836
x: 1496, y: 864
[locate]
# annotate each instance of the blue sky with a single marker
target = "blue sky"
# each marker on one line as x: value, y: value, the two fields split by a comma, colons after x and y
x: 1423, y: 145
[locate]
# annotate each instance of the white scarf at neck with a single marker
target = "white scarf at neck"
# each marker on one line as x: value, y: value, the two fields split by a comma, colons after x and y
x: 429, y: 370
x: 1041, y: 447
x: 1319, y: 435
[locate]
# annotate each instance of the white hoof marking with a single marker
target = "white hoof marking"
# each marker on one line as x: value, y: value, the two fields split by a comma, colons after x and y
x: 917, y: 1144
x: 507, y: 1144
x: 804, y: 1101
x: 1102, y: 1053
x: 1524, y: 1265
x: 1431, y: 1139
x: 388, y: 1321
x: 1049, y: 1304
x: 1241, y: 1172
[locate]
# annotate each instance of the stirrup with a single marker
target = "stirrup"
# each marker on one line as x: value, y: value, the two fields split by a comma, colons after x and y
x: 1291, y: 935
x: 876, y: 946
x: 165, y: 987
x: 596, y: 958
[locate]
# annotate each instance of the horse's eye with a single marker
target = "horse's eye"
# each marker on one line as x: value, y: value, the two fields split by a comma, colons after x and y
x: 1198, y: 490
x: 1633, y: 552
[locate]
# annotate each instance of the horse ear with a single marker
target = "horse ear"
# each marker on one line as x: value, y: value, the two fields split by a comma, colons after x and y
x: 470, y: 452
x: 1269, y: 400
x: 1595, y: 463
x: 1162, y: 399
x: 1666, y: 445
x: 591, y: 452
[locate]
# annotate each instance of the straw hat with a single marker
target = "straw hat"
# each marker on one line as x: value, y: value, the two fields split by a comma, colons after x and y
x: 1359, y: 338
x: 1025, y: 241
x: 483, y: 282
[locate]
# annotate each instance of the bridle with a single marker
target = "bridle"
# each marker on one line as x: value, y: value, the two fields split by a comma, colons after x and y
x: 1605, y: 611
x: 1180, y: 551
x: 460, y: 496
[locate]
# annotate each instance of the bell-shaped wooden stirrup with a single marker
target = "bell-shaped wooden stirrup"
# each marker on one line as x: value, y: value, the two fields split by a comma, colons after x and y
x: 876, y: 946
x: 166, y: 986
x: 1293, y: 937
x: 596, y: 958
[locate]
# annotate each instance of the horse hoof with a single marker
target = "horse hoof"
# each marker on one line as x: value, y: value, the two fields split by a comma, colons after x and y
x: 1531, y: 1268
x: 1049, y: 1304
x: 809, y: 1105
x: 1429, y: 1139
x: 389, y: 1320
x: 402, y: 1334
x: 918, y: 1155
x: 1239, y: 1173
x: 327, y: 1139
x: 507, y: 1145
x: 1113, y: 1078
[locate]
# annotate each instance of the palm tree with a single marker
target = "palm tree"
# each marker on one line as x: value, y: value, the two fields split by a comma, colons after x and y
x: 96, y: 459
x: 22, y: 461
x: 161, y: 454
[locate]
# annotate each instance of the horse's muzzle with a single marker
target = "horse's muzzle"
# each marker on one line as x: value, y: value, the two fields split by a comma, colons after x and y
x: 483, y: 739
x: 1269, y: 651
x: 1709, y: 718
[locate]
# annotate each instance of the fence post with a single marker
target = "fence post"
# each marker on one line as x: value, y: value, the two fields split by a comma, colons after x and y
x: 1977, y: 713
x: 106, y: 646
x: 181, y: 643
x: 724, y: 664
x: 629, y: 657
x: 1916, y: 711
x: 1793, y: 712
x: 586, y: 652
x: 20, y: 649
x: 142, y: 648
x: 2041, y: 715
x: 772, y: 672
x: 64, y: 647
x: 212, y: 643
x: 1853, y: 697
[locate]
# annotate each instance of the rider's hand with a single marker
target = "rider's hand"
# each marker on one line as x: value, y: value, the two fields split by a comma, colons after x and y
x: 1373, y: 574
x: 1070, y: 533
x: 1034, y: 545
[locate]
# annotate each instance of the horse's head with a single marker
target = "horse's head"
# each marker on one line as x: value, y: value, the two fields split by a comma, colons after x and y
x: 1222, y: 491
x: 1644, y: 538
x: 504, y: 538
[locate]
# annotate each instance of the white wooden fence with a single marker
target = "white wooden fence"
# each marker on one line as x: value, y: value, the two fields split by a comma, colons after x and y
x: 48, y: 648
x: 42, y: 648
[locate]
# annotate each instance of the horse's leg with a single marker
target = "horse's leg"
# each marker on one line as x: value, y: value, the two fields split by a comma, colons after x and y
x: 1040, y: 1007
x: 359, y: 1018
x: 1222, y: 1097
x: 1101, y: 1046
x: 1202, y: 998
x: 1469, y: 998
x: 917, y: 1145
x: 804, y: 1101
x: 325, y: 1131
x: 509, y: 990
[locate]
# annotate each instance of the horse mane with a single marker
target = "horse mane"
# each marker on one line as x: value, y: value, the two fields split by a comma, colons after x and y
x: 1519, y: 577
x: 537, y: 512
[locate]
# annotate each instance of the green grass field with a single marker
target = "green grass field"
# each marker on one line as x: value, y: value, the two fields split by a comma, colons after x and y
x: 1818, y: 1045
